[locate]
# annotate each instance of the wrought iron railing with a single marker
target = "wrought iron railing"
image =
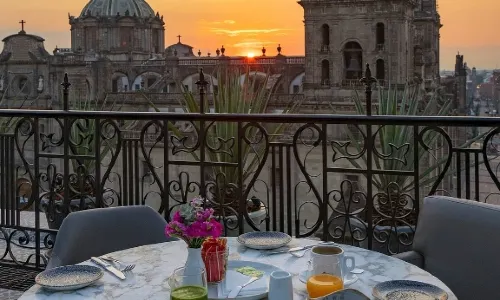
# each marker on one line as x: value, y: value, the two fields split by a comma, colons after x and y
x: 311, y: 181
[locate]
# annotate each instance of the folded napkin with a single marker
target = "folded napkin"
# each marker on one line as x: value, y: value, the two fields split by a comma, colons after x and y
x: 232, y: 280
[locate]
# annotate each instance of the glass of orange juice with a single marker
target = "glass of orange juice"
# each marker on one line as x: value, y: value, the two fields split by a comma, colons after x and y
x: 319, y: 285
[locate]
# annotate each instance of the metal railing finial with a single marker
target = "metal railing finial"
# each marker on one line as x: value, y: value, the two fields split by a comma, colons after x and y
x: 202, y: 83
x: 65, y: 84
x: 368, y: 80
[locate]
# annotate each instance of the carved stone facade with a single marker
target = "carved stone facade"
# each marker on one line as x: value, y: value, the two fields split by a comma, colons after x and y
x: 398, y: 39
x: 118, y: 48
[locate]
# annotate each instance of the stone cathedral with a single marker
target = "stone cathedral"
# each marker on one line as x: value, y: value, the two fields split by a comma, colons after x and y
x: 118, y: 46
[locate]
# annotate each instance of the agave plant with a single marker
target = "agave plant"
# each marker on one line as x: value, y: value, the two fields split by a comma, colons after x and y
x: 83, y: 131
x: 252, y: 96
x: 395, y: 147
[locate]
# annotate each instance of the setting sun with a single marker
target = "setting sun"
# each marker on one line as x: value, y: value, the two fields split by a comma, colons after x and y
x: 250, y: 54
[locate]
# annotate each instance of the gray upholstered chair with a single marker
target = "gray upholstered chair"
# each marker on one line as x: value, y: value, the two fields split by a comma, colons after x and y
x: 458, y: 241
x: 99, y: 231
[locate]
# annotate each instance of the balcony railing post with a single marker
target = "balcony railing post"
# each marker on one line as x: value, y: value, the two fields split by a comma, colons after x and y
x: 202, y: 84
x: 66, y: 138
x: 65, y: 84
x: 368, y: 81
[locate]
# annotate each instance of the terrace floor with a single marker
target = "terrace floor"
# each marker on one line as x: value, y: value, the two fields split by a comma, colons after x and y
x: 14, y: 281
x: 9, y: 294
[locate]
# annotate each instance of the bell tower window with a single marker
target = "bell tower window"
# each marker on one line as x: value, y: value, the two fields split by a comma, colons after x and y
x: 380, y: 69
x: 353, y: 60
x: 325, y: 72
x: 325, y: 38
x: 380, y: 36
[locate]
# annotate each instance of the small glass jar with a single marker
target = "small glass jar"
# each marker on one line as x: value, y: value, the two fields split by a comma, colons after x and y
x: 215, y: 265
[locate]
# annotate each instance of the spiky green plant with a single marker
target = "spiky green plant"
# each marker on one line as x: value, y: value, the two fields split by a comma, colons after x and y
x: 83, y: 132
x: 395, y: 143
x: 233, y: 97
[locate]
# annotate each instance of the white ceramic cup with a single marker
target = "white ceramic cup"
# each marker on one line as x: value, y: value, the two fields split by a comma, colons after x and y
x: 280, y: 286
x: 324, y: 258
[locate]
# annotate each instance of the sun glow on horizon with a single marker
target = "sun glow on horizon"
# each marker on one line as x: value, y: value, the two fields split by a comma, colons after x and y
x: 250, y: 54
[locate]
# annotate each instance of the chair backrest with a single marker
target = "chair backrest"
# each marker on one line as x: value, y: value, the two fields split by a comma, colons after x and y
x: 99, y: 231
x: 460, y: 242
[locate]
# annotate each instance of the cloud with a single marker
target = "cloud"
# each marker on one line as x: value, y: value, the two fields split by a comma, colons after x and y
x: 253, y: 44
x: 224, y: 22
x: 247, y: 32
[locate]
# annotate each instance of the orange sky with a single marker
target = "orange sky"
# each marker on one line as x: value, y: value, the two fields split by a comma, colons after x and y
x: 243, y: 26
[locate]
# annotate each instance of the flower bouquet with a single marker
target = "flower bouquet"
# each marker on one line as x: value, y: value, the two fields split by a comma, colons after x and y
x: 214, y: 254
x: 193, y: 223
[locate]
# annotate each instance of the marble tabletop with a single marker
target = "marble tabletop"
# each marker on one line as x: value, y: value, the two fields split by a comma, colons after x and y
x: 155, y: 263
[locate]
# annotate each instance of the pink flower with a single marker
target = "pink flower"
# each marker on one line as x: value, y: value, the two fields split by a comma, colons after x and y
x: 215, y: 228
x: 204, y: 215
x: 193, y: 224
x: 177, y: 217
x: 175, y: 228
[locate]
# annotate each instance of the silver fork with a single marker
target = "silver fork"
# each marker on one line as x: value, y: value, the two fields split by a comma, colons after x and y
x: 127, y: 267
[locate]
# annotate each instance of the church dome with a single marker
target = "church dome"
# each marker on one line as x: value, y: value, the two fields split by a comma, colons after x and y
x: 113, y: 7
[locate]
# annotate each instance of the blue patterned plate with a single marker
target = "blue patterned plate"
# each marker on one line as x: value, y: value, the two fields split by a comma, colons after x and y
x: 407, y: 289
x: 264, y: 240
x: 67, y: 278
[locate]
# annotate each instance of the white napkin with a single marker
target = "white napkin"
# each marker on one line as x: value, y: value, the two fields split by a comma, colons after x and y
x: 234, y: 279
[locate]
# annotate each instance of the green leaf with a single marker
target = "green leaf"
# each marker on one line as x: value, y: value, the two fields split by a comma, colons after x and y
x: 233, y: 97
x: 412, y: 100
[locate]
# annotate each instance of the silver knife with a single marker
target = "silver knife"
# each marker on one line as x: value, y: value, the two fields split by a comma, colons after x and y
x: 291, y: 249
x: 108, y: 267
x: 235, y: 292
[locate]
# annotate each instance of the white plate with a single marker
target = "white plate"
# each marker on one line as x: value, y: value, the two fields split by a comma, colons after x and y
x: 235, y: 264
x: 407, y: 289
x: 349, y: 278
x: 264, y: 240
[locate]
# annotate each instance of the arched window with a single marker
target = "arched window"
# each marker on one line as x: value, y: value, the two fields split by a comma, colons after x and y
x: 325, y: 72
x: 325, y: 36
x: 380, y: 73
x: 22, y: 83
x: 380, y: 36
x: 353, y: 60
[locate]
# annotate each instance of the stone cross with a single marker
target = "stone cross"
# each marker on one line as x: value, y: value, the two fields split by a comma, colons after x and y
x: 179, y: 36
x: 22, y: 24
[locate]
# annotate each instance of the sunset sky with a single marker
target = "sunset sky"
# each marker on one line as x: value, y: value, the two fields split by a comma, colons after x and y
x: 244, y: 26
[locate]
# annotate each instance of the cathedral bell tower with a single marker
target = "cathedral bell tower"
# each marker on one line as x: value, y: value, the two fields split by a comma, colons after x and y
x: 344, y: 35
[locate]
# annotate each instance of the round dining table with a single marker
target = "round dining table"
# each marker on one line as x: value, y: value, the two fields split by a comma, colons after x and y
x: 155, y: 263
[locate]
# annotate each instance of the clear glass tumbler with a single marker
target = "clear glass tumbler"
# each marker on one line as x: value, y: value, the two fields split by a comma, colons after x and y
x: 188, y: 283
